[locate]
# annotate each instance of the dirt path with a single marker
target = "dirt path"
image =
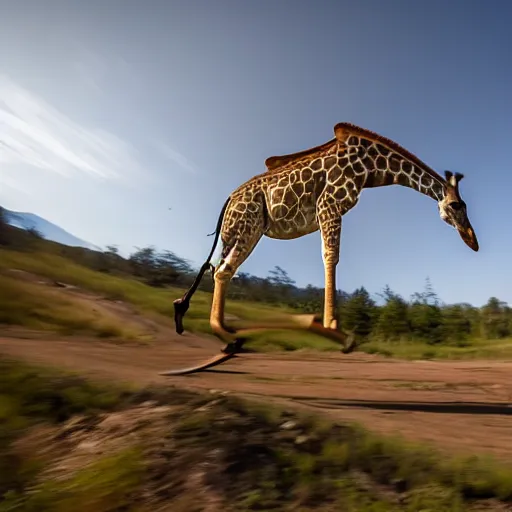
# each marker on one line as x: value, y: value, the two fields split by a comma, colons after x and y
x: 462, y: 406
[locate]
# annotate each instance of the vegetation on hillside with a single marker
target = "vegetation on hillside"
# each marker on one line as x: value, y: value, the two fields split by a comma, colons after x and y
x: 68, y: 444
x: 419, y: 327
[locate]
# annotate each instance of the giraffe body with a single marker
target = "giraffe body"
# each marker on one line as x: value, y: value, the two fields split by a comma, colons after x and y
x: 312, y: 190
x: 293, y: 198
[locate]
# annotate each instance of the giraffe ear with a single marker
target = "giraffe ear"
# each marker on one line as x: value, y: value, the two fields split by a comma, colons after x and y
x: 453, y: 179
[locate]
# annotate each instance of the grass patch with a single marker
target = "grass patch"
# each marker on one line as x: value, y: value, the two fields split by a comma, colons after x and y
x: 251, y: 455
x: 40, y: 307
x: 105, y: 485
x: 124, y: 288
x: 32, y: 393
x: 278, y: 341
x: 155, y: 300
x: 475, y: 349
x: 291, y: 460
x: 22, y: 305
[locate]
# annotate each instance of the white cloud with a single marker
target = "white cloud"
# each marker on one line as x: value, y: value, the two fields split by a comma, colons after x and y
x: 89, y: 74
x: 94, y: 71
x: 176, y: 157
x: 8, y: 182
x: 36, y: 134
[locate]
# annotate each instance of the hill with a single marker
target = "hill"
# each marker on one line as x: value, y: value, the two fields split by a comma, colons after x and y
x: 47, y: 229
x: 82, y: 291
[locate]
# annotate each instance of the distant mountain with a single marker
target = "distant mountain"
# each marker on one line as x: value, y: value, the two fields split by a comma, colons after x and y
x: 47, y: 229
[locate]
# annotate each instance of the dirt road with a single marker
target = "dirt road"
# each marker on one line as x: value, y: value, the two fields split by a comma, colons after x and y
x: 461, y: 406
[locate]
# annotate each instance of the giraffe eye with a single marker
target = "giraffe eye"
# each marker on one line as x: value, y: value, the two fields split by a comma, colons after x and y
x: 455, y: 205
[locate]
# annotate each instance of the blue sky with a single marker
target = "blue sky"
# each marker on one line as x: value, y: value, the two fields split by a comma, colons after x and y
x: 112, y: 112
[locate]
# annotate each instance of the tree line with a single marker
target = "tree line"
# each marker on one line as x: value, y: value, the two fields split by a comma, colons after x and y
x: 422, y: 317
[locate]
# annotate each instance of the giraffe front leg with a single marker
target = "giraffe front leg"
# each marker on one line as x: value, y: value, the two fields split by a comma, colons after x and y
x: 331, y: 236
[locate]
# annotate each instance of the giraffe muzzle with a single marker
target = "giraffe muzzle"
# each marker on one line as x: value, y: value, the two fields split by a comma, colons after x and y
x: 468, y: 236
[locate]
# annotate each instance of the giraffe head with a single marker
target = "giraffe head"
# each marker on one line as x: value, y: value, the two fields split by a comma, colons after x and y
x: 452, y: 210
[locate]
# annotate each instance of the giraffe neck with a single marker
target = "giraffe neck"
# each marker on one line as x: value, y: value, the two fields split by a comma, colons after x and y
x: 380, y: 165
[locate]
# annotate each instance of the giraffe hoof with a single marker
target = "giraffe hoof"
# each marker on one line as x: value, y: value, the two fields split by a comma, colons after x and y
x: 180, y: 308
x: 350, y: 343
x: 234, y: 347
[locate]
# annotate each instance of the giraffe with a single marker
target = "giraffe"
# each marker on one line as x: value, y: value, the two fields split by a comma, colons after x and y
x: 312, y: 190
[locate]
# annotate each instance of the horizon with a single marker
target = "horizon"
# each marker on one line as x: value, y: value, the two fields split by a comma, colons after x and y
x: 123, y: 116
x: 375, y: 295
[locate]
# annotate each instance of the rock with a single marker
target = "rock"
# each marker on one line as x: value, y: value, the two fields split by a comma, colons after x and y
x: 207, y: 406
x: 75, y: 425
x: 148, y: 403
x: 88, y: 446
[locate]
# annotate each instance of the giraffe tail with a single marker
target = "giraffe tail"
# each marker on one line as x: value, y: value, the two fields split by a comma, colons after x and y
x: 182, y: 304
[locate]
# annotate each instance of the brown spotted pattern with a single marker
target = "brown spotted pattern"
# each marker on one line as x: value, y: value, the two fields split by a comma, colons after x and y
x: 314, y: 193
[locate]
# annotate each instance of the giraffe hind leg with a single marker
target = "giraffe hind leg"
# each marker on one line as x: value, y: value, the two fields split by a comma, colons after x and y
x: 234, y: 257
x: 234, y: 254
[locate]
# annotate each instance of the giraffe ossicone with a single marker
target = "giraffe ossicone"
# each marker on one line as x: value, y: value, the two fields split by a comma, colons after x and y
x: 311, y: 190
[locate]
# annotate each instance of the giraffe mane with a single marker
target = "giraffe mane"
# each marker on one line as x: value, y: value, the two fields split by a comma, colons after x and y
x: 275, y: 163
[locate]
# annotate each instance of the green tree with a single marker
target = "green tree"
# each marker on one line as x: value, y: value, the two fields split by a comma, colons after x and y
x: 159, y: 268
x: 279, y: 277
x: 143, y: 261
x: 392, y: 323
x: 428, y: 296
x: 456, y: 323
x: 425, y: 316
x: 495, y: 319
x: 311, y: 300
x: 282, y: 283
x: 358, y: 312
x: 425, y: 322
